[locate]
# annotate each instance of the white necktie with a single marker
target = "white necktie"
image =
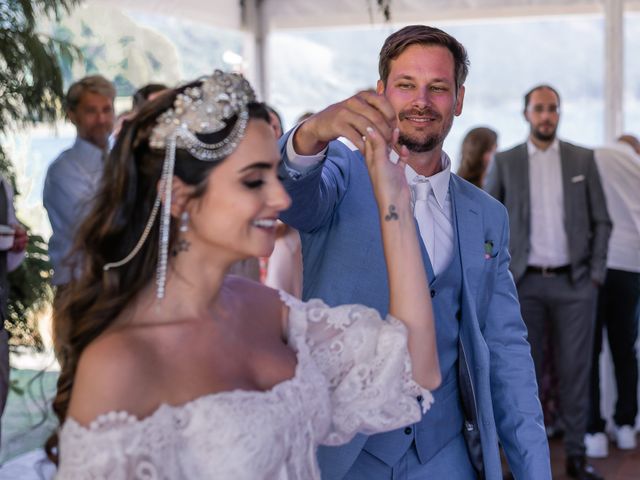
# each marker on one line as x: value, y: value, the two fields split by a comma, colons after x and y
x: 422, y: 211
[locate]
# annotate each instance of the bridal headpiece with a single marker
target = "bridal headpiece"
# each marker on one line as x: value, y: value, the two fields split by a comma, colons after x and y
x: 196, y: 112
x: 203, y: 110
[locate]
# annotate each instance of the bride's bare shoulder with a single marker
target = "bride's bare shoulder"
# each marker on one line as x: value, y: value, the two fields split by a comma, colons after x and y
x: 255, y: 300
x: 236, y: 286
x: 110, y: 377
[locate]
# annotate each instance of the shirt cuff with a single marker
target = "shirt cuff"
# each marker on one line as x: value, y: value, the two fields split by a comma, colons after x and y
x: 302, y: 163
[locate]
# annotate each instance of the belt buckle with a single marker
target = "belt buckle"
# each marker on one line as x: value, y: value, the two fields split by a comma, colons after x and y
x: 547, y: 272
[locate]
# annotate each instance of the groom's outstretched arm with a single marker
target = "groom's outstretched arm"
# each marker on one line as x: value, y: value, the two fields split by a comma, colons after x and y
x: 316, y: 188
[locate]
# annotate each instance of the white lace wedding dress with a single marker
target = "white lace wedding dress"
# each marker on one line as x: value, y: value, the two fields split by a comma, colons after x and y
x: 353, y: 375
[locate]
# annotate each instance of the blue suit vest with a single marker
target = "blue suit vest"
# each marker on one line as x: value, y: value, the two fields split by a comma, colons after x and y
x: 443, y: 422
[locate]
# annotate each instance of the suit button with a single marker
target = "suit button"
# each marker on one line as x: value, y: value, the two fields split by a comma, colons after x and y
x: 433, y: 293
x: 407, y: 431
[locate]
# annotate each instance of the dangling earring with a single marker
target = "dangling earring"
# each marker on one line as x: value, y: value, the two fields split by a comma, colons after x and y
x: 182, y: 245
x: 184, y: 222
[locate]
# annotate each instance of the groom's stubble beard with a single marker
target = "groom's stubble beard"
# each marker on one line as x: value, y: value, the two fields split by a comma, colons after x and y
x: 429, y: 140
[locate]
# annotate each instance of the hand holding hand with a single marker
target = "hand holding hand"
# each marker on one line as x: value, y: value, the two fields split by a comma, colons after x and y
x: 349, y: 118
x: 388, y: 179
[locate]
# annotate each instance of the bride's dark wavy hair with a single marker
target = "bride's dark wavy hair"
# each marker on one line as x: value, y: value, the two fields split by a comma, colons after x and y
x: 87, y: 306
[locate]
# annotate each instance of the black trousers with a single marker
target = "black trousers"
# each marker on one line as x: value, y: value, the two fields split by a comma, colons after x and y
x: 569, y: 310
x: 617, y: 312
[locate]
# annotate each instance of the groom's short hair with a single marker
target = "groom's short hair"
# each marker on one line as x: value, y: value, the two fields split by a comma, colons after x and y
x: 398, y: 42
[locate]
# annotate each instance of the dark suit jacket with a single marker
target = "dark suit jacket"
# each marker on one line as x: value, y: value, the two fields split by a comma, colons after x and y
x: 586, y: 219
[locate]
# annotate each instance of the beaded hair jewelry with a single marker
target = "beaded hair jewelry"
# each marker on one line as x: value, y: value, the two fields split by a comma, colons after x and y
x: 197, y: 111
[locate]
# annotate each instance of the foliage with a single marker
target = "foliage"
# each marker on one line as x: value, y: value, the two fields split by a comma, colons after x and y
x: 385, y: 7
x: 30, y: 292
x: 31, y: 91
x: 31, y: 83
x: 6, y: 169
x: 29, y: 284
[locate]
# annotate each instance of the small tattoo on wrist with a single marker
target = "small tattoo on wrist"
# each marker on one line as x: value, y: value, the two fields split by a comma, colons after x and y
x: 392, y: 215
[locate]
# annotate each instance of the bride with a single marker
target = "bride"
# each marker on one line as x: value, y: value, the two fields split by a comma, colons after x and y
x: 172, y: 369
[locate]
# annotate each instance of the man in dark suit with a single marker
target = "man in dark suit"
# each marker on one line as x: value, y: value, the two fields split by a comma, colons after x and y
x: 559, y: 233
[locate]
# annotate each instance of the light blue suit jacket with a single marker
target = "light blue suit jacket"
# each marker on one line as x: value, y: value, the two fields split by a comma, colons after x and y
x: 335, y: 210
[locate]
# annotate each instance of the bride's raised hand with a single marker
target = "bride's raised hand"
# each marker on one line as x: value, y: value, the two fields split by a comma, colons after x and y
x: 388, y: 178
x: 407, y: 278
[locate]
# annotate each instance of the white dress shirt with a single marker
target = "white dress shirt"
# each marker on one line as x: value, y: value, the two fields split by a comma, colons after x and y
x: 69, y: 187
x: 434, y: 216
x: 619, y: 167
x: 548, y: 238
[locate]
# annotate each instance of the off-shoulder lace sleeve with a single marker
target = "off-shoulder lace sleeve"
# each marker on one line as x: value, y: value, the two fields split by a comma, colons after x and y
x: 366, y: 362
x: 116, y: 447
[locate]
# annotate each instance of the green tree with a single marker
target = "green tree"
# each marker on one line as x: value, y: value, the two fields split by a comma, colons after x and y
x: 31, y: 92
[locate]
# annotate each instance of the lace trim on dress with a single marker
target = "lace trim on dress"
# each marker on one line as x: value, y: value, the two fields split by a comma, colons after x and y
x: 366, y: 361
x: 122, y: 418
x: 353, y: 375
x: 315, y: 310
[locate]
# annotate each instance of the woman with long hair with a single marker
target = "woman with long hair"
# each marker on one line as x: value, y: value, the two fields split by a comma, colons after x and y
x: 478, y: 148
x: 173, y: 369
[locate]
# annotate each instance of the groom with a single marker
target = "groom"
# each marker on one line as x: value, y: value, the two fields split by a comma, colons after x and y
x: 488, y: 393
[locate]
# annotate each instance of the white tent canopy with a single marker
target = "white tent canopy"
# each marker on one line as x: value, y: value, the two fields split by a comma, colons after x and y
x: 260, y: 17
x: 283, y: 14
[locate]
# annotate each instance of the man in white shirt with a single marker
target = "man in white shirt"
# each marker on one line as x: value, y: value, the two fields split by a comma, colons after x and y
x: 559, y: 232
x: 72, y: 178
x: 619, y: 166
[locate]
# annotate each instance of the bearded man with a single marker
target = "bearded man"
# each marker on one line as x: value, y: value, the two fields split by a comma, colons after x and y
x: 559, y: 234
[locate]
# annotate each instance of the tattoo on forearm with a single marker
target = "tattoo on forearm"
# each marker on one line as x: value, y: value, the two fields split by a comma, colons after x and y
x: 392, y: 215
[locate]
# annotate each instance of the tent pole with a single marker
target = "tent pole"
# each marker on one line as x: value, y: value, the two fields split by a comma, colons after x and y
x: 254, y: 24
x: 614, y: 69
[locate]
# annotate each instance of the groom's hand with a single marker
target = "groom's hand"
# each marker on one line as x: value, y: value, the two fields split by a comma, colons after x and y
x: 349, y: 118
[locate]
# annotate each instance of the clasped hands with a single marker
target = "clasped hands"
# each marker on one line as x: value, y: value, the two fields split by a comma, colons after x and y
x: 369, y: 121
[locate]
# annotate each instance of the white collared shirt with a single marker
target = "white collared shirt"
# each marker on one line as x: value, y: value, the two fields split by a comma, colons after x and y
x: 548, y: 237
x: 619, y: 167
x: 69, y: 187
x: 439, y: 215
